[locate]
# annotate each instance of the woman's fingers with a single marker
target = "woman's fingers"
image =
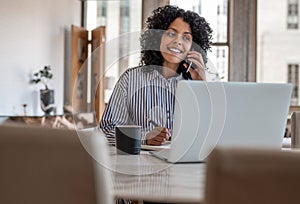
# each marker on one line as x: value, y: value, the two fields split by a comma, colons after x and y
x: 158, y: 136
x: 198, y: 71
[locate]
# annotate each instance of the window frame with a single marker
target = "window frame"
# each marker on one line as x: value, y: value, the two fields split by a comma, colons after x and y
x: 292, y: 108
x: 290, y: 14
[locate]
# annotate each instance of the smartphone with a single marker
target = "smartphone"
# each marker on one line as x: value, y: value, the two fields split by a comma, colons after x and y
x: 189, y: 63
x: 186, y: 73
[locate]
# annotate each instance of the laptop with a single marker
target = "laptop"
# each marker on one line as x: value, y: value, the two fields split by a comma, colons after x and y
x: 226, y: 114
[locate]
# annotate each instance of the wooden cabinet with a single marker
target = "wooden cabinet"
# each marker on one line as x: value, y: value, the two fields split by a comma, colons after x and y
x: 98, y: 71
x: 87, y: 75
x: 78, y: 81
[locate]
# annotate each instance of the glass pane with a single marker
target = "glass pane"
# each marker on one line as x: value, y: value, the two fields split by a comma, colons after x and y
x: 120, y: 17
x: 278, y: 47
x: 214, y: 11
x: 217, y: 66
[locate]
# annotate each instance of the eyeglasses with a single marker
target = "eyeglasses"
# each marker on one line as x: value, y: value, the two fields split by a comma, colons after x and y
x: 172, y: 34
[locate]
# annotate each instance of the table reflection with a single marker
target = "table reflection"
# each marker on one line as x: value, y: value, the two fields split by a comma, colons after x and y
x: 145, y: 177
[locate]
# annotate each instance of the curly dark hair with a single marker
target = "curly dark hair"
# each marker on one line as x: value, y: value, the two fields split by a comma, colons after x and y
x: 159, y: 21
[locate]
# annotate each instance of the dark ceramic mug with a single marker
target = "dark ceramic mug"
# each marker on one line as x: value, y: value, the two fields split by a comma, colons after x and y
x: 128, y: 139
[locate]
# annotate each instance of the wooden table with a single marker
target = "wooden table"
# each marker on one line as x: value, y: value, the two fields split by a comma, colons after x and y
x: 144, y: 177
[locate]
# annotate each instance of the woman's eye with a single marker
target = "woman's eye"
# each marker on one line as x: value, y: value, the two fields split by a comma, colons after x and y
x: 171, y: 34
x: 186, y: 38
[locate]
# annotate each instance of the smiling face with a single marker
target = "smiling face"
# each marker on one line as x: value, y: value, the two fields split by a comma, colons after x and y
x: 175, y: 43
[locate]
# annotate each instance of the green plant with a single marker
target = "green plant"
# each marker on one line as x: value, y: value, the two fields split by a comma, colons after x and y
x: 42, y: 76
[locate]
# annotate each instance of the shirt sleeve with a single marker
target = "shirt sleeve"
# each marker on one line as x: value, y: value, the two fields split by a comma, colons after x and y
x: 116, y: 111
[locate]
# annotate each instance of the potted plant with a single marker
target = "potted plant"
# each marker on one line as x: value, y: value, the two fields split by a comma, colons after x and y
x: 46, y: 95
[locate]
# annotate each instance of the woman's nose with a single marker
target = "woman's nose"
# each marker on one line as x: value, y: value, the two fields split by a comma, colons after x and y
x: 178, y: 40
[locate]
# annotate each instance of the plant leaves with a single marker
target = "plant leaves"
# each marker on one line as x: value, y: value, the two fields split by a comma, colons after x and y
x: 42, y: 75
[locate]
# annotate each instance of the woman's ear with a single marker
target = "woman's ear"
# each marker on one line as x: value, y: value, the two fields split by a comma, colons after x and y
x: 199, y: 49
x: 203, y: 54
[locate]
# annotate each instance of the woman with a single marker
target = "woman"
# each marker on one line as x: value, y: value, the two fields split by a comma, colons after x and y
x: 173, y: 40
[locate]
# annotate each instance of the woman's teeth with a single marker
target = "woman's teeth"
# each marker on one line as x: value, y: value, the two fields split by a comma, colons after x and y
x: 175, y: 50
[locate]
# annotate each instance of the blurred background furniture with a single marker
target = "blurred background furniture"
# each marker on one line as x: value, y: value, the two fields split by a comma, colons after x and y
x: 68, y: 120
x: 55, y: 121
x: 295, y: 129
x: 236, y: 176
x: 47, y: 165
x: 81, y: 80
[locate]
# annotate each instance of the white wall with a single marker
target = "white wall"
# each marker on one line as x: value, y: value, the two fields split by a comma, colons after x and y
x: 277, y: 46
x: 32, y: 34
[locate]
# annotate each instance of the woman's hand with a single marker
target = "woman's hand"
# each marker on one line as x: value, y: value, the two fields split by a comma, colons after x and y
x: 197, y: 71
x: 158, y: 136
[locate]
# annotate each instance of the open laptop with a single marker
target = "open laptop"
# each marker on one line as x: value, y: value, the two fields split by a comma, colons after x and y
x: 227, y: 114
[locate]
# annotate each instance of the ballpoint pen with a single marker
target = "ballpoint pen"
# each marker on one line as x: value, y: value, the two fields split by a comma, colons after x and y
x: 152, y: 122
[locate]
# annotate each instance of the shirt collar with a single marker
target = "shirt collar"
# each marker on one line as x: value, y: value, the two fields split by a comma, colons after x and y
x: 155, y: 74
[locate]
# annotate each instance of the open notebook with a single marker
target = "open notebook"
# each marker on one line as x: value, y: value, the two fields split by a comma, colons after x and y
x: 228, y: 114
x: 166, y: 145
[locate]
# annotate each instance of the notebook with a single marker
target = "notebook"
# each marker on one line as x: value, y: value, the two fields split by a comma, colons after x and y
x: 227, y: 114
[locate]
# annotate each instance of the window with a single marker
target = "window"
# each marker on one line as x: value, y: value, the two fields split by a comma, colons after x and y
x: 125, y: 16
x: 216, y: 13
x: 293, y: 14
x: 120, y: 17
x: 278, y: 51
x: 293, y: 78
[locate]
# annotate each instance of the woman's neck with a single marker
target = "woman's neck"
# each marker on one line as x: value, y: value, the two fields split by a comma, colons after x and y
x: 169, y: 70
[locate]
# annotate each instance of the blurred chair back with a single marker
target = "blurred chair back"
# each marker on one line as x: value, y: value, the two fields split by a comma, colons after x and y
x: 252, y: 177
x: 43, y: 165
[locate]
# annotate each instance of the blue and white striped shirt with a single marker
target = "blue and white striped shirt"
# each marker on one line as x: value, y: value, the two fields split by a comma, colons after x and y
x: 139, y: 95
